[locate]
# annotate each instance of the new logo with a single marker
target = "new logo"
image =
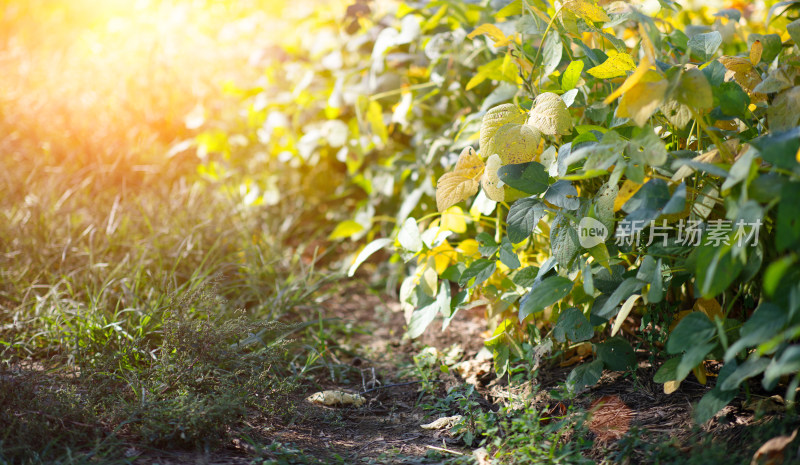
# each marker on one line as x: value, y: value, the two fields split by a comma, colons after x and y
x: 591, y: 232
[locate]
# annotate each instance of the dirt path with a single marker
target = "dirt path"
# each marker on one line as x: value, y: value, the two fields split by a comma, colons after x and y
x: 386, y: 430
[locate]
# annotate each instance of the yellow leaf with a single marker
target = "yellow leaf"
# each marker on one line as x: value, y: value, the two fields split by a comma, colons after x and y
x: 755, y: 52
x: 494, y: 119
x: 625, y: 193
x: 632, y: 80
x: 443, y: 256
x: 550, y: 115
x: 469, y: 247
x: 514, y: 143
x: 710, y: 307
x: 743, y: 72
x: 453, y: 219
x: 491, y: 181
x: 475, y: 80
x: 462, y: 182
x: 614, y: 66
x: 346, y: 229
x: 623, y: 313
x: 375, y: 119
x: 700, y: 373
x: 453, y: 188
x: 642, y: 100
x: 469, y: 164
x: 647, y: 44
x: 587, y: 10
x: 671, y: 386
x: 493, y: 32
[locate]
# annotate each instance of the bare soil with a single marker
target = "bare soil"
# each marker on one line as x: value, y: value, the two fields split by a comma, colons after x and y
x: 387, y: 429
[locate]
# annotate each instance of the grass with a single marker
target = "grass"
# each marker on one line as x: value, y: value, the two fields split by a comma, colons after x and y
x: 128, y: 282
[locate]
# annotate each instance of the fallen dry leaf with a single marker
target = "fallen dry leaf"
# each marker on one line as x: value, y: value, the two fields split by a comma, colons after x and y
x: 336, y: 399
x: 442, y: 423
x: 771, y: 453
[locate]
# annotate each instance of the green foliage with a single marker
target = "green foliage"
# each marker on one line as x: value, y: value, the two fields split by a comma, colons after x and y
x: 682, y: 161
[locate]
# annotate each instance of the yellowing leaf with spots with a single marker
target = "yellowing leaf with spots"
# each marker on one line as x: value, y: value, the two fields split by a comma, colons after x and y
x: 587, y: 10
x: 514, y: 143
x: 615, y: 66
x: 493, y: 32
x: 494, y: 119
x: 453, y: 219
x: 491, y: 181
x: 625, y: 193
x: 550, y: 115
x: 462, y: 182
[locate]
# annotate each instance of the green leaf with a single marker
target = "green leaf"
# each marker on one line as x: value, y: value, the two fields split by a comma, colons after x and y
x: 523, y: 216
x: 763, y: 324
x: 370, y: 249
x: 740, y: 169
x: 423, y: 317
x: 779, y: 148
x: 794, y: 32
x: 667, y: 371
x: 694, y: 90
x: 545, y: 294
x: 551, y: 56
x: 647, y: 148
x: 788, y: 222
x: 775, y: 271
x: 487, y: 246
x: 604, y: 204
x: 563, y: 194
x: 572, y: 325
x: 617, y: 354
x: 625, y: 290
x: 753, y: 366
x: 526, y: 277
x: 693, y: 356
x: 507, y: 255
x: 711, y: 403
x: 481, y: 269
x: 731, y: 99
x: 694, y: 329
x: 530, y: 177
x: 564, y: 241
x: 584, y: 375
x: 786, y: 364
x: 571, y: 75
x: 716, y: 268
x: 705, y: 45
x: 409, y: 236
